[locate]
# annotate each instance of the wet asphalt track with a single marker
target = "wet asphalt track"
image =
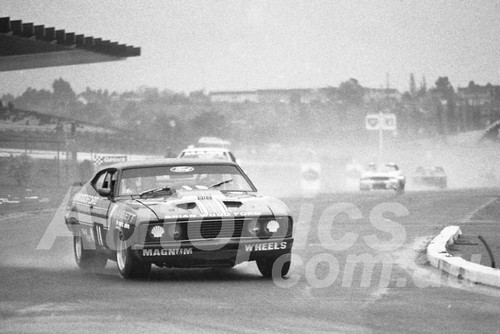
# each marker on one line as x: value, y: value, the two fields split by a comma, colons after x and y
x: 328, y: 289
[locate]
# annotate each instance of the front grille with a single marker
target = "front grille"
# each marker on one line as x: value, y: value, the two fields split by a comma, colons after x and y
x: 214, y: 228
x: 208, y: 228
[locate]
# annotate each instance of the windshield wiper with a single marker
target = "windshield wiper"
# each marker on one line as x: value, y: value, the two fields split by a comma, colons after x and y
x: 154, y: 190
x: 221, y: 183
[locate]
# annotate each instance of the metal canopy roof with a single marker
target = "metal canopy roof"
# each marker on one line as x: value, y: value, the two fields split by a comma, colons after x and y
x: 28, y: 46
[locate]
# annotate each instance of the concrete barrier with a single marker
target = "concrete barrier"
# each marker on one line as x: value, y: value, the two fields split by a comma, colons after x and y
x: 439, y: 257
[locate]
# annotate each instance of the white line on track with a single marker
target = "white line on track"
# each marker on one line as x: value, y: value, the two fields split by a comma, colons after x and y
x: 469, y: 216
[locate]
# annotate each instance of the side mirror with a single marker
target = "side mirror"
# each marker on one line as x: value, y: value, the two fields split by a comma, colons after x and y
x: 104, y: 192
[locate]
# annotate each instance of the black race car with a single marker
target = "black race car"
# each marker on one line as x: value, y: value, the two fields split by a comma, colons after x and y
x: 177, y: 213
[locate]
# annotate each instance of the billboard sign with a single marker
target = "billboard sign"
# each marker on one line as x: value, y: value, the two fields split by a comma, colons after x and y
x: 380, y: 122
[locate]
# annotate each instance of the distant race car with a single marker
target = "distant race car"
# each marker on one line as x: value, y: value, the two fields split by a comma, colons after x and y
x: 430, y: 177
x: 177, y: 213
x: 387, y: 176
x: 219, y: 153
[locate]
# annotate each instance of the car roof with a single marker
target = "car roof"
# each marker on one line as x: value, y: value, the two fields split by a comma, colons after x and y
x: 169, y: 162
x: 206, y: 149
x: 429, y: 167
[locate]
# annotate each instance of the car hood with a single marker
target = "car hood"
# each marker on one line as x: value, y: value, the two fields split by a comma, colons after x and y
x: 208, y: 203
x: 381, y: 174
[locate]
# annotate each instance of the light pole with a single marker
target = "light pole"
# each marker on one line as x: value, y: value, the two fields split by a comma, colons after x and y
x: 380, y: 138
x: 380, y: 122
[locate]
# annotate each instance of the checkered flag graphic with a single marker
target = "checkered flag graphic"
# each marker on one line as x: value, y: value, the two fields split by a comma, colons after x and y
x: 98, y: 161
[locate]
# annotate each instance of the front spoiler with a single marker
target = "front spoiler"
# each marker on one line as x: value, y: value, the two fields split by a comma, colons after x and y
x: 212, y: 253
x: 374, y: 185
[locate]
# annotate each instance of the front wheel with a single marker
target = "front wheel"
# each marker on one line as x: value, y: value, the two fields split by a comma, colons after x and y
x: 87, y: 259
x: 128, y: 264
x: 274, y: 267
x: 400, y: 188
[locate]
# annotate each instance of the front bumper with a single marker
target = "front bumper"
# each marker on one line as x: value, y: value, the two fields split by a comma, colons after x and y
x: 374, y: 184
x: 370, y: 184
x: 210, y: 253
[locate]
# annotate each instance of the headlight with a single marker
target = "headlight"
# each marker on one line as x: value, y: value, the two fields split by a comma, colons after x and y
x: 167, y: 232
x: 273, y: 227
x: 253, y: 227
x: 157, y: 232
x: 175, y: 231
x: 267, y: 227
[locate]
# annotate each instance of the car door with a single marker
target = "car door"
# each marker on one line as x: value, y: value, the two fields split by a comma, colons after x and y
x: 104, y: 182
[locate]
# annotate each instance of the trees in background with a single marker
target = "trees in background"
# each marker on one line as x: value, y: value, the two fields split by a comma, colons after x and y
x: 350, y: 92
x: 63, y: 96
x: 446, y: 106
x: 167, y: 118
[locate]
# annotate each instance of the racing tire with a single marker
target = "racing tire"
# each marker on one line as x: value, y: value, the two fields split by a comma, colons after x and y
x: 87, y: 259
x: 129, y: 265
x: 266, y: 265
x: 400, y: 189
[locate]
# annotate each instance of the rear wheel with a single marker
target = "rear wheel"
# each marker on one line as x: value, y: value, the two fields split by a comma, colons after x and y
x: 274, y: 267
x: 128, y: 264
x: 87, y: 259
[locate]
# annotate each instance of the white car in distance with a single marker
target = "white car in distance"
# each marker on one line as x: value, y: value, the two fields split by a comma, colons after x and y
x: 217, y: 153
x: 387, y: 176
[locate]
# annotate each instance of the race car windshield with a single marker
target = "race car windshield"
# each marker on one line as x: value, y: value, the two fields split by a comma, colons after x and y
x: 388, y: 168
x: 205, y: 155
x: 135, y: 181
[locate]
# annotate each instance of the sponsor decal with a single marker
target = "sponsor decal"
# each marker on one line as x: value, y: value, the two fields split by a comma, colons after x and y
x: 128, y: 216
x: 122, y: 224
x: 247, y: 213
x: 215, y: 214
x: 86, y: 199
x: 157, y: 231
x: 182, y: 169
x: 268, y: 246
x: 167, y: 252
x: 273, y: 226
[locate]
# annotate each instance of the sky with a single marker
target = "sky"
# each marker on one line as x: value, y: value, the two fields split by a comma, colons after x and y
x: 220, y: 45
